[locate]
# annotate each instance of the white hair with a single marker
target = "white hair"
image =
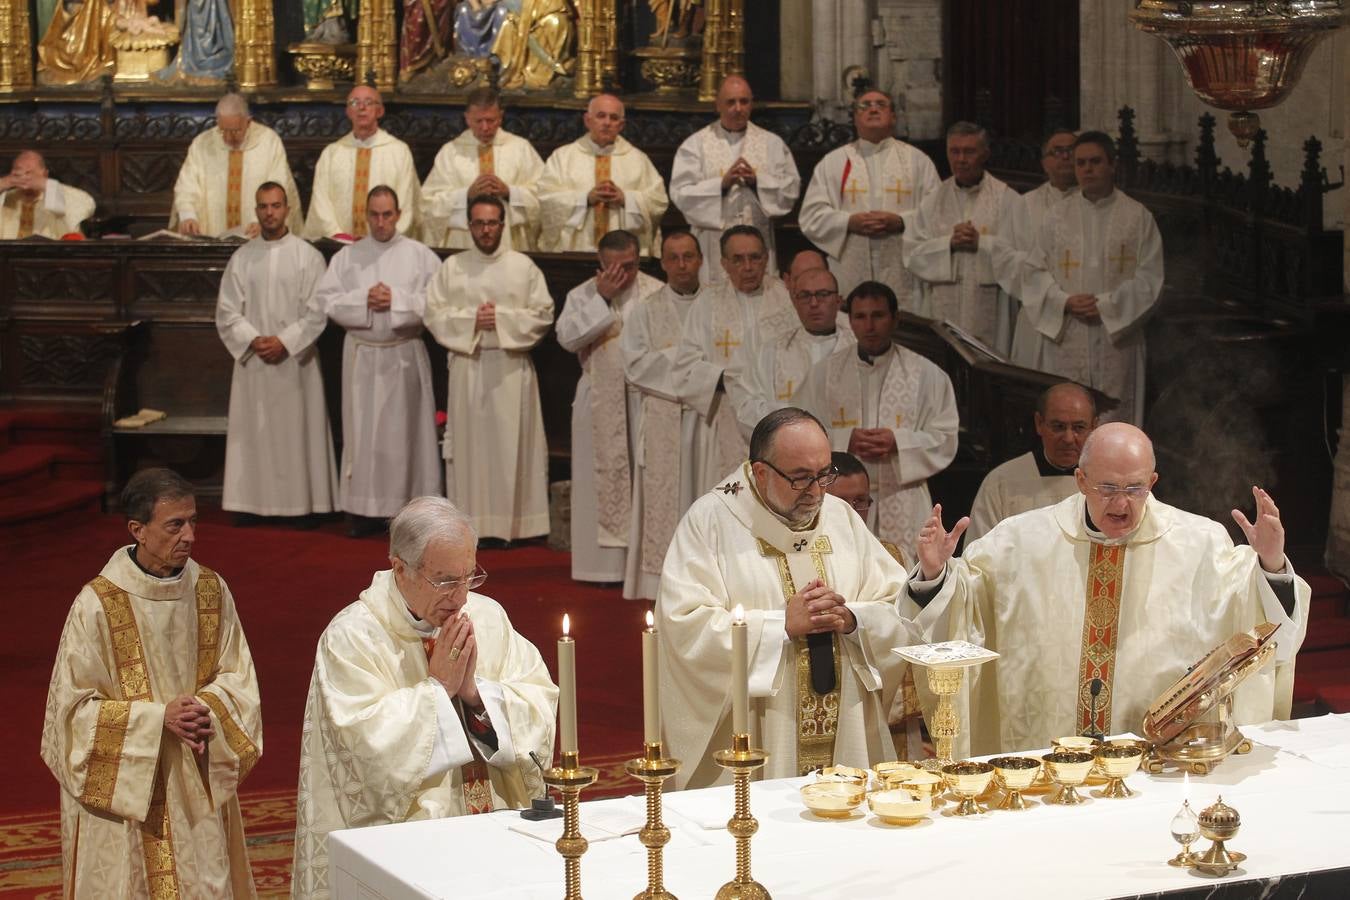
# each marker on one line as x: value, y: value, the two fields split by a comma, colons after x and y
x: 423, y: 520
x: 232, y: 105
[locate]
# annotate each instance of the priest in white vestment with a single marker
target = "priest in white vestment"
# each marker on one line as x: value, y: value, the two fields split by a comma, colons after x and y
x: 1065, y: 415
x: 424, y: 702
x: 820, y: 598
x: 153, y: 718
x: 376, y: 290
x: 597, y: 184
x: 733, y: 173
x: 859, y: 197
x: 606, y: 411
x: 222, y: 171
x: 1034, y: 207
x: 489, y: 307
x: 482, y: 160
x: 278, y: 445
x: 32, y: 203
x: 1089, y: 285
x: 1110, y: 588
x: 349, y: 167
x: 890, y: 407
x: 663, y: 474
x: 956, y: 243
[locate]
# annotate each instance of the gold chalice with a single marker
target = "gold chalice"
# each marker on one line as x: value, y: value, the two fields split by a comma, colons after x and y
x: 969, y: 780
x: 898, y: 807
x: 833, y: 799
x: 1117, y: 762
x: 927, y: 785
x: 1069, y: 769
x: 1015, y: 774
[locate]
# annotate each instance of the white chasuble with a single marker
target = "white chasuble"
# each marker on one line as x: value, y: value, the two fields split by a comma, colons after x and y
x: 496, y: 457
x: 217, y: 186
x: 1016, y: 486
x: 141, y: 814
x: 906, y: 393
x: 348, y: 168
x: 891, y: 177
x: 1109, y: 248
x: 445, y: 193
x: 772, y: 374
x: 59, y: 211
x: 1064, y: 605
x: 569, y: 223
x: 278, y: 449
x: 731, y: 549
x: 382, y: 742
x: 389, y: 453
x: 696, y: 188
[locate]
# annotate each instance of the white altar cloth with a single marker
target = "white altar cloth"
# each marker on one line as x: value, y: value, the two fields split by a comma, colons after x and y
x: 1292, y: 791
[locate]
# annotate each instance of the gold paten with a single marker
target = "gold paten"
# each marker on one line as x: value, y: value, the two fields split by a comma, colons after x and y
x: 652, y: 769
x: 742, y: 760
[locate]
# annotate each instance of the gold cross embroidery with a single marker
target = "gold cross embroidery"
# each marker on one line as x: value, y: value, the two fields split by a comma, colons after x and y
x: 787, y: 392
x: 853, y: 191
x: 1125, y: 257
x: 898, y: 419
x: 844, y: 421
x: 725, y: 344
x: 1066, y: 265
x: 898, y: 190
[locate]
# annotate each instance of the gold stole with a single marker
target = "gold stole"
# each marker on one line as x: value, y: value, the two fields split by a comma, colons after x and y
x: 234, y: 186
x: 360, y: 187
x: 602, y: 210
x: 485, y: 163
x: 1101, y: 630
x: 817, y: 714
x: 475, y: 785
x: 27, y: 208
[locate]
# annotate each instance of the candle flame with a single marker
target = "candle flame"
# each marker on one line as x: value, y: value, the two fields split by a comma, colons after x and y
x: 566, y: 625
x: 739, y: 614
x: 651, y: 622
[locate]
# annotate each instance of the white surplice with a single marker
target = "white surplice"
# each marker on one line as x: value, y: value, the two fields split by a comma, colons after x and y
x: 1184, y: 589
x: 771, y: 374
x: 495, y: 451
x: 202, y: 189
x: 279, y: 448
x: 569, y: 175
x: 388, y: 408
x: 962, y: 286
x: 696, y: 188
x: 331, y: 199
x: 1016, y: 486
x: 587, y: 325
x: 132, y: 643
x: 731, y: 549
x: 445, y: 193
x: 1110, y: 248
x: 59, y: 211
x: 890, y: 176
x: 382, y: 741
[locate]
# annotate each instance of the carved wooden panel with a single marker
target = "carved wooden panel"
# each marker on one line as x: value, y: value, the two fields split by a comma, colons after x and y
x: 150, y: 171
x: 49, y: 281
x: 176, y: 286
x: 65, y: 362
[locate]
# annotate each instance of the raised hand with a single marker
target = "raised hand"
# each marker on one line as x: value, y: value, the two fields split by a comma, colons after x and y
x: 1266, y: 534
x: 936, y: 544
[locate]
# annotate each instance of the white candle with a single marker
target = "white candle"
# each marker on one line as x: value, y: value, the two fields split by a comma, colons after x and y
x: 651, y: 698
x: 740, y: 680
x: 567, y: 689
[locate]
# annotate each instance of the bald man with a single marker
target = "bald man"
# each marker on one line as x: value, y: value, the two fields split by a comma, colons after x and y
x: 1110, y: 589
x: 34, y: 203
x: 733, y: 173
x: 599, y: 183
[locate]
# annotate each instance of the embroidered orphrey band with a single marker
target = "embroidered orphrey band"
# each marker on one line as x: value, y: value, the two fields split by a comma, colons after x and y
x: 1101, y: 630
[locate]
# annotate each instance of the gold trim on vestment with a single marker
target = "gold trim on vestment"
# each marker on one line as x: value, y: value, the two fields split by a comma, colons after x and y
x: 239, y: 743
x: 128, y: 654
x: 1101, y: 631
x: 208, y: 625
x: 100, y: 780
x: 161, y: 871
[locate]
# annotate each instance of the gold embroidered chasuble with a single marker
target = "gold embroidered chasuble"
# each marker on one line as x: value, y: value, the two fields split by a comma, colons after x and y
x: 140, y: 814
x: 216, y: 185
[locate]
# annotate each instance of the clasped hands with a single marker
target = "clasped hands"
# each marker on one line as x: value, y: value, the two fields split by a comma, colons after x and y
x: 818, y: 609
x: 965, y: 237
x: 741, y: 172
x: 189, y: 720
x: 486, y: 317
x: 606, y: 193
x: 1083, y: 306
x: 454, y: 659
x: 871, y: 444
x: 379, y: 297
x: 269, y: 349
x: 490, y: 185
x: 875, y: 223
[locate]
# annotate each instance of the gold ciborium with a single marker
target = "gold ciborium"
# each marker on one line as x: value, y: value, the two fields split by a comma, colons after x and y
x: 1219, y: 823
x: 927, y: 785
x: 898, y: 807
x: 968, y: 780
x: 891, y: 774
x: 1015, y: 774
x: 1117, y: 762
x: 1068, y: 769
x: 833, y: 799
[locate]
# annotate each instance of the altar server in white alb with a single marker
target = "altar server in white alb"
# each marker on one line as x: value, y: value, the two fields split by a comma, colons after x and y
x: 376, y: 290
x: 855, y: 206
x: 1089, y: 285
x: 489, y: 307
x: 278, y: 449
x: 353, y: 164
x: 1110, y: 587
x: 733, y: 173
x: 424, y: 702
x: 606, y: 412
x: 223, y: 169
x: 32, y: 203
x: 484, y: 160
x: 820, y: 604
x: 599, y: 183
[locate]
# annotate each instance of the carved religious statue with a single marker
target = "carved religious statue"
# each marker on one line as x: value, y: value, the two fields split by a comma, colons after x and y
x: 87, y: 39
x: 329, y: 21
x: 676, y: 21
x: 535, y: 43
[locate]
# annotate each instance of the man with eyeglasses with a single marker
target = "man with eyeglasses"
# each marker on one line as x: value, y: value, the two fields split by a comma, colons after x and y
x: 424, y: 701
x: 489, y: 307
x: 860, y: 195
x: 1100, y: 602
x: 821, y: 607
x: 1031, y: 210
x: 353, y: 164
x: 1065, y: 415
x: 484, y: 160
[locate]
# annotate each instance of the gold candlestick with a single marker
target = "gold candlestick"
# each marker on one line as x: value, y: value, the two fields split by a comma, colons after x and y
x: 944, y: 681
x: 652, y: 769
x: 570, y: 778
x: 742, y: 760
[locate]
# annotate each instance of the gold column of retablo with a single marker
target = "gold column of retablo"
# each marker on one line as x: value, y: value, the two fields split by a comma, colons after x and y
x: 254, y: 50
x: 742, y: 760
x: 732, y: 61
x: 652, y: 769
x: 569, y: 778
x: 587, y: 76
x: 16, y: 63
x: 376, y: 44
x: 709, y: 79
x: 608, y: 73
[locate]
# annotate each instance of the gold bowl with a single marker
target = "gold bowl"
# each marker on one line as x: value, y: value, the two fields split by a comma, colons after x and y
x: 833, y: 799
x: 891, y: 774
x: 968, y: 780
x: 896, y: 807
x: 1117, y: 762
x: 1015, y: 774
x: 1069, y: 769
x: 846, y: 774
x: 1075, y: 743
x: 927, y: 785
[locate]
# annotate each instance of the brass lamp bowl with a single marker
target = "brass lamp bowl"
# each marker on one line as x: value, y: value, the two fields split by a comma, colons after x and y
x: 833, y: 799
x: 899, y: 807
x: 846, y: 774
x: 1068, y: 769
x: 1118, y: 762
x: 1015, y: 774
x: 891, y: 774
x: 968, y: 780
x: 927, y: 785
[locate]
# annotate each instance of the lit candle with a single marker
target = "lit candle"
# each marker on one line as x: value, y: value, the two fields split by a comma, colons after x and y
x: 740, y: 697
x: 1185, y: 785
x: 567, y: 689
x: 651, y: 702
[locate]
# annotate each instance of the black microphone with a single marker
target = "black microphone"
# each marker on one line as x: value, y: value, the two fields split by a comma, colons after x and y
x: 820, y: 648
x: 541, y: 807
x: 1095, y: 688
